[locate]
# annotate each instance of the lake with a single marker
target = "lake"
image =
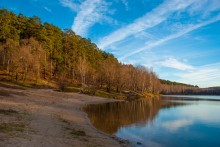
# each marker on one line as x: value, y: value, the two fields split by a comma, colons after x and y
x: 168, y: 121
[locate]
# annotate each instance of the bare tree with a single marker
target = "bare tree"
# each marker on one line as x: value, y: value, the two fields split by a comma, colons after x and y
x: 83, y: 68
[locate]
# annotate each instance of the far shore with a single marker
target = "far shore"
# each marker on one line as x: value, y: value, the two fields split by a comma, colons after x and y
x: 44, y: 117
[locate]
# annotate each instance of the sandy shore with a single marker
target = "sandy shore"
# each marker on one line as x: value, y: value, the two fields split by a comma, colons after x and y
x: 47, y: 118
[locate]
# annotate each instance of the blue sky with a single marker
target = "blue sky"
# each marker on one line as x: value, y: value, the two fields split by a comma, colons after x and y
x: 179, y: 39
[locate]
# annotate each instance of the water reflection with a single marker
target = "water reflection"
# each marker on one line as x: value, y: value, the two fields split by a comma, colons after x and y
x: 191, y: 97
x: 109, y: 117
x: 163, y: 122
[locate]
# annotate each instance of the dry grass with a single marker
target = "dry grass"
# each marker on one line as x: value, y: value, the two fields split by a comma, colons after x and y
x: 11, y: 86
x: 114, y: 95
x: 12, y: 127
x: 72, y: 131
x: 13, y: 122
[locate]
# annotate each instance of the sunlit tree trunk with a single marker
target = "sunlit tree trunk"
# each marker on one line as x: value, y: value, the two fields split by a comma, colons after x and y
x: 51, y: 68
x: 45, y: 64
x: 8, y: 67
x: 73, y: 75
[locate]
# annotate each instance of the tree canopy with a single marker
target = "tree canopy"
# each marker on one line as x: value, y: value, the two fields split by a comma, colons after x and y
x: 32, y: 50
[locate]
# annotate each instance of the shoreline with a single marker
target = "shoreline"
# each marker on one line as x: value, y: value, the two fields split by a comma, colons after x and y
x: 122, y: 141
x: 51, y: 119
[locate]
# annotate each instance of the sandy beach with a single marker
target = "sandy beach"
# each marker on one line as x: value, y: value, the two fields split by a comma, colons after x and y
x: 48, y: 118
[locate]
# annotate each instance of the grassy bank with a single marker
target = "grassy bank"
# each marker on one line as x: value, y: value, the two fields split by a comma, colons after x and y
x: 75, y: 89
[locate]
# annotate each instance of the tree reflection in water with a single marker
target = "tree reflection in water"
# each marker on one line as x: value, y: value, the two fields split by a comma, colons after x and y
x: 109, y: 117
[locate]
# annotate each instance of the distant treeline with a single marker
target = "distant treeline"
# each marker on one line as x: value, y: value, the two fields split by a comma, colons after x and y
x: 167, y: 82
x: 169, y: 87
x: 31, y: 51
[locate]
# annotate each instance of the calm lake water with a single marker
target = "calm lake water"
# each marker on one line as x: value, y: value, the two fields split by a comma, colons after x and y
x: 168, y: 121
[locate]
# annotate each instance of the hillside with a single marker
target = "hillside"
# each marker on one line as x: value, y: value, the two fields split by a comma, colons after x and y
x: 167, y: 82
x: 170, y: 87
x: 41, y: 53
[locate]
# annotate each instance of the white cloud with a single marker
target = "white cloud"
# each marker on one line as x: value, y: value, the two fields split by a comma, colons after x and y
x: 149, y: 20
x: 174, y: 63
x: 70, y: 4
x: 144, y: 35
x: 47, y: 9
x: 204, y: 76
x: 206, y: 112
x: 210, y: 6
x: 187, y: 29
x: 91, y: 12
x: 177, y: 124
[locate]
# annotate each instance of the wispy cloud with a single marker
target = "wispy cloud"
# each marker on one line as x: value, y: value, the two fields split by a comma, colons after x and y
x: 187, y: 29
x: 174, y: 63
x: 204, y: 76
x: 210, y: 6
x: 70, y: 4
x: 177, y: 124
x: 205, y: 114
x: 125, y: 2
x: 91, y: 12
x: 149, y: 20
x: 47, y: 9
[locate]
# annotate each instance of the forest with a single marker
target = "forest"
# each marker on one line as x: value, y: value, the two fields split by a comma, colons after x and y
x: 32, y: 51
x: 169, y: 87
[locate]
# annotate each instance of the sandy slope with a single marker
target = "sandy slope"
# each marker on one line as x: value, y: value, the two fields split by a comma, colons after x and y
x: 52, y: 119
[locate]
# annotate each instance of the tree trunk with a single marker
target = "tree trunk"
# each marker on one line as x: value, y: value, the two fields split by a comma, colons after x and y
x: 101, y: 83
x: 73, y: 74
x: 45, y: 65
x: 109, y: 87
x: 3, y: 61
x: 51, y: 69
x: 8, y: 67
x: 16, y: 75
x: 25, y: 72
x: 38, y: 73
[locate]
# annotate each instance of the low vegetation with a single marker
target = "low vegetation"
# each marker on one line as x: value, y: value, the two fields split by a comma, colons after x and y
x: 12, y: 127
x: 12, y: 122
x: 76, y: 133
